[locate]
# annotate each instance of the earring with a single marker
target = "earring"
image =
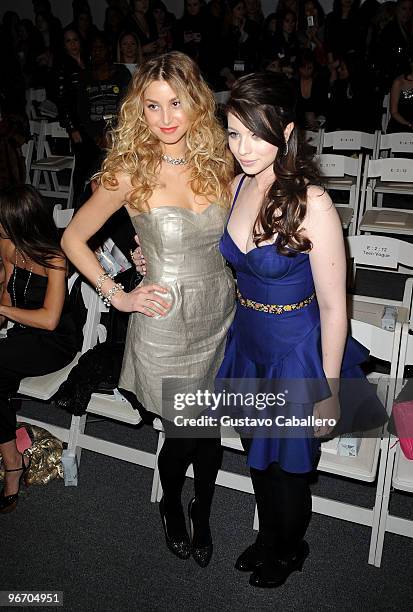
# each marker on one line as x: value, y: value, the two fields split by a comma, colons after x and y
x: 286, y: 148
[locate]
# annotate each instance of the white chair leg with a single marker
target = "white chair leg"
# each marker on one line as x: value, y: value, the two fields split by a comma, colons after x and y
x: 378, y: 500
x: 156, y: 493
x: 256, y: 524
x: 77, y: 427
x: 381, y: 530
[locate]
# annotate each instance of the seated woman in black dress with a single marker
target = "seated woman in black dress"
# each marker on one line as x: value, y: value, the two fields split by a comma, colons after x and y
x: 34, y: 297
x: 312, y: 90
x: 401, y: 101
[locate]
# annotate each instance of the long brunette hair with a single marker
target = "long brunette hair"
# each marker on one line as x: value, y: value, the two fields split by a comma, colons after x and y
x: 264, y: 103
x: 27, y: 221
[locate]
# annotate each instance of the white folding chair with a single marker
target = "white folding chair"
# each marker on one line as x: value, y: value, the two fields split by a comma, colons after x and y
x: 393, y: 175
x: 44, y: 387
x: 398, y: 143
x: 371, y: 459
x: 399, y: 470
x: 381, y: 253
x: 342, y: 173
x: 349, y: 140
x: 50, y: 165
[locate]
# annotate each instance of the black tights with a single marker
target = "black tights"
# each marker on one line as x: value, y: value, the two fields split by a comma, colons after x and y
x: 284, y: 506
x: 177, y: 454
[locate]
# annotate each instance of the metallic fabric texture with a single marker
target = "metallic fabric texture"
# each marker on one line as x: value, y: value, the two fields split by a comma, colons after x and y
x: 181, y: 251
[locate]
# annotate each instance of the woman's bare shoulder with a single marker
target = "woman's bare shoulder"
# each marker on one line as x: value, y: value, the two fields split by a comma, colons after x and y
x: 6, y: 250
x: 318, y: 199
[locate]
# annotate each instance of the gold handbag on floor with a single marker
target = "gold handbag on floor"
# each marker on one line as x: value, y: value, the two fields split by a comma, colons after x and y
x: 45, y: 453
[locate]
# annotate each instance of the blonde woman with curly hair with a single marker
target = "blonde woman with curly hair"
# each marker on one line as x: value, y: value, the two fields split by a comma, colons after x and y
x: 170, y: 167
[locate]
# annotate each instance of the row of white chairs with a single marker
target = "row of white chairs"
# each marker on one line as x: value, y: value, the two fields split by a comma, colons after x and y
x: 350, y: 141
x: 367, y: 180
x: 44, y: 167
x: 372, y: 460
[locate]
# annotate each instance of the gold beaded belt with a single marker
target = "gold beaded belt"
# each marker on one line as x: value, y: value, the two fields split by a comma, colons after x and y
x: 274, y: 308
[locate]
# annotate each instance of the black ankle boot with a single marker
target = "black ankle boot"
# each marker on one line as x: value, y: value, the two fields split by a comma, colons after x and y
x: 201, y: 539
x: 273, y: 573
x: 176, y: 535
x: 251, y: 558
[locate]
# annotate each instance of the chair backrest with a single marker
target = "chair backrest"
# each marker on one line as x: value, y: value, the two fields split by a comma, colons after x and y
x: 379, y: 251
x: 335, y: 166
x: 27, y: 152
x: 382, y: 254
x: 347, y: 140
x: 401, y: 142
x: 390, y: 169
x: 34, y: 95
x: 83, y: 296
x: 221, y: 97
x: 386, y: 113
x: 36, y: 132
x: 54, y: 129
x: 62, y: 216
x: 383, y: 345
x: 380, y: 342
x: 47, y: 130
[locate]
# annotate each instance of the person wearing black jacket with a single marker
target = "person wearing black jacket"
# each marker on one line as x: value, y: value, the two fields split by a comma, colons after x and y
x: 101, y: 88
x: 72, y: 65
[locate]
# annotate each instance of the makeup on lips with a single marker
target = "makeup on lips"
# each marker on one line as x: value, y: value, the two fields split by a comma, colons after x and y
x: 169, y: 130
x: 247, y: 162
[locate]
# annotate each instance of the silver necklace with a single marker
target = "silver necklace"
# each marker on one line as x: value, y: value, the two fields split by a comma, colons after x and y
x: 14, y: 279
x: 175, y: 161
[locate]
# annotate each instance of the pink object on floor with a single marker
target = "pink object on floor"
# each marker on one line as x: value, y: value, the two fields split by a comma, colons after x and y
x: 22, y: 439
x: 403, y: 420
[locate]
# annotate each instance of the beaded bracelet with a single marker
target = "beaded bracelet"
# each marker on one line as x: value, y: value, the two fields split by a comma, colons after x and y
x: 107, y: 299
x: 101, y: 279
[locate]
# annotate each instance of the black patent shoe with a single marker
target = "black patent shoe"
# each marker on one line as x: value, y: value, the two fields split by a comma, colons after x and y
x: 251, y: 558
x: 273, y: 574
x: 201, y: 540
x: 180, y: 545
x: 8, y: 503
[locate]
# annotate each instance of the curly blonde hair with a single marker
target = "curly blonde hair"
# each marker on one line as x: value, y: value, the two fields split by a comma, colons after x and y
x: 137, y: 152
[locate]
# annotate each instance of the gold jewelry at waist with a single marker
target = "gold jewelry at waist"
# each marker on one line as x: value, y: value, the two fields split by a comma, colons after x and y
x: 276, y: 309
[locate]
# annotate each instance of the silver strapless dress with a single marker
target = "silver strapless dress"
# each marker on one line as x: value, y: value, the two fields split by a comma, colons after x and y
x: 181, y: 248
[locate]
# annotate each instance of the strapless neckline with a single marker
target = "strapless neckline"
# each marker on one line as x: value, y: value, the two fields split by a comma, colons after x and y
x: 169, y: 207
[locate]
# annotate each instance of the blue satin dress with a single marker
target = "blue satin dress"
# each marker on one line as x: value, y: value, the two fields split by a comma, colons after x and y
x: 262, y: 345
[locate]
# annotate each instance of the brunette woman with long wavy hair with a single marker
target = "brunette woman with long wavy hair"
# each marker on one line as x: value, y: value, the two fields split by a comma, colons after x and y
x: 33, y: 297
x: 170, y: 167
x: 284, y: 239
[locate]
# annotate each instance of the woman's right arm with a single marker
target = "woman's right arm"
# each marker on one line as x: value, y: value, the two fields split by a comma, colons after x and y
x: 394, y: 105
x: 87, y: 221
